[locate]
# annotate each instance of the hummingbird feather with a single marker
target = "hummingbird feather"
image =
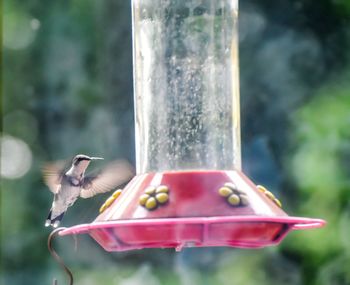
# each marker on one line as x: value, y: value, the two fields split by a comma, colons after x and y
x: 114, y: 174
x: 53, y: 173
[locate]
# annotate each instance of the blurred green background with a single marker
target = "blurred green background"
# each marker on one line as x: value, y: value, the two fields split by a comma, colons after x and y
x: 67, y: 71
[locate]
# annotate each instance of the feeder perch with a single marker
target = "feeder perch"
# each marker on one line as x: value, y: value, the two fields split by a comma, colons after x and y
x: 189, y: 189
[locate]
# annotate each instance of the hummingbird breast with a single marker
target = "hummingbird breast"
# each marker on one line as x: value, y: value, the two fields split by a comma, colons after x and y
x: 65, y: 198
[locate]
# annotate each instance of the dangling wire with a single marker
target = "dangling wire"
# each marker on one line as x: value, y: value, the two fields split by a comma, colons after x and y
x: 57, y: 257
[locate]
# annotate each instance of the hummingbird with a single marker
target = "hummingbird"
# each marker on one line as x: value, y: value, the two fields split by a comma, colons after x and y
x: 68, y: 185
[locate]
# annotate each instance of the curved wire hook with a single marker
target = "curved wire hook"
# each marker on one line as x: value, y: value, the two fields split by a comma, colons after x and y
x: 57, y: 257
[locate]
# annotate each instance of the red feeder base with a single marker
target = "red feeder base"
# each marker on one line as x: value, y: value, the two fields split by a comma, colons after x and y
x: 194, y: 209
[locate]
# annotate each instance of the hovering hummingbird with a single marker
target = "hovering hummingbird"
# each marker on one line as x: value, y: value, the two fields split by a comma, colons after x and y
x: 68, y: 186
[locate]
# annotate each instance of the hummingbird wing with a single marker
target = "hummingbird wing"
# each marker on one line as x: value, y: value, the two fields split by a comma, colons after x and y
x: 114, y: 174
x: 53, y: 173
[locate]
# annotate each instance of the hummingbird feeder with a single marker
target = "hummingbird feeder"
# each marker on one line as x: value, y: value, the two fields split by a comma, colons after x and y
x: 189, y: 190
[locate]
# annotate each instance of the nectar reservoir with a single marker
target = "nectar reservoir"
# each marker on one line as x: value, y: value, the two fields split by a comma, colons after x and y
x: 186, y: 85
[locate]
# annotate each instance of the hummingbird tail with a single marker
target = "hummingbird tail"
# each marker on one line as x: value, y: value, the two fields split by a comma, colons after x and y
x: 53, y: 222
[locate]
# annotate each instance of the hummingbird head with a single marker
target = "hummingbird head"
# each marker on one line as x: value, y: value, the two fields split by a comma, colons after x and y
x: 81, y: 162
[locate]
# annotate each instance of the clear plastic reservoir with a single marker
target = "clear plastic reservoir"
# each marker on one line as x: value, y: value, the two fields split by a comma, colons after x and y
x: 186, y: 85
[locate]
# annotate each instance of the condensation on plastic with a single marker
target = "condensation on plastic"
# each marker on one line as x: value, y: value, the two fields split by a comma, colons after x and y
x: 186, y: 86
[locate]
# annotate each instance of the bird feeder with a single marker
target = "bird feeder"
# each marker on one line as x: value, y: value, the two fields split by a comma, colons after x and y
x: 189, y: 190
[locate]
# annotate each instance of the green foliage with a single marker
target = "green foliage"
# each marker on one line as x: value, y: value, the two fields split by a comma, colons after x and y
x: 320, y: 167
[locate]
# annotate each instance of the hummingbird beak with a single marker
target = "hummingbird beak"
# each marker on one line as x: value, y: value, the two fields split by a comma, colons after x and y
x: 96, y: 158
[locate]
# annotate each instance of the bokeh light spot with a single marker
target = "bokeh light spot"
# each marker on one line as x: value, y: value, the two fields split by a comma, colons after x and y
x: 35, y: 24
x: 18, y: 31
x: 16, y: 157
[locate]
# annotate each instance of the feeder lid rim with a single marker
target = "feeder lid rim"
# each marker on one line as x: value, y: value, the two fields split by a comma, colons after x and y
x: 296, y: 223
